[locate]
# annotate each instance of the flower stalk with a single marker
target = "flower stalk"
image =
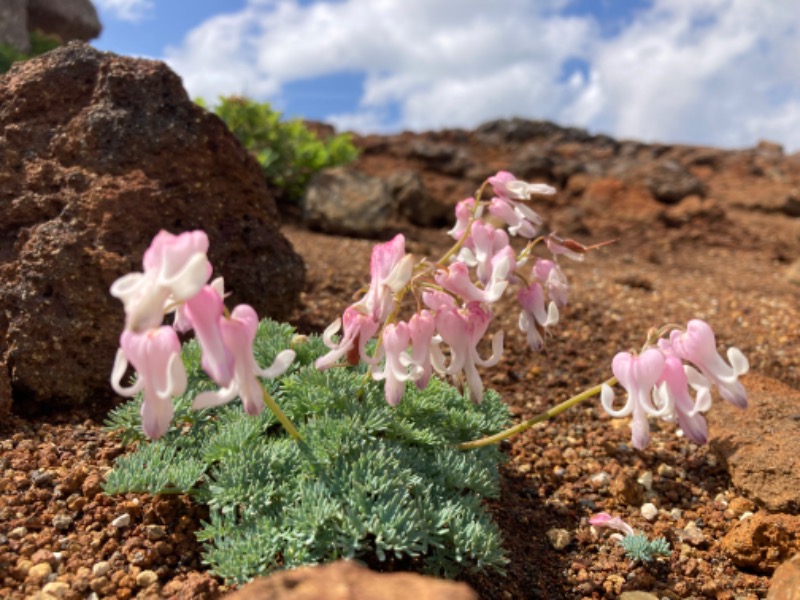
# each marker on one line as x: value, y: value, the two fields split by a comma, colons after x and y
x: 527, y: 424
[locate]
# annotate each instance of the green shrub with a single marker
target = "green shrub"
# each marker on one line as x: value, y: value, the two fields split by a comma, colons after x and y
x: 288, y: 152
x: 40, y: 43
x: 384, y: 485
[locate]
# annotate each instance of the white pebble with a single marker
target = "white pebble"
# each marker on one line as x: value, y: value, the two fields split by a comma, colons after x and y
x: 649, y: 511
x: 122, y: 521
x: 646, y: 480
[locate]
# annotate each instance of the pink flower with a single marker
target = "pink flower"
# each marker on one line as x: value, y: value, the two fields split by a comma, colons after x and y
x: 396, y: 339
x: 238, y: 333
x: 521, y: 219
x: 390, y: 268
x: 456, y: 279
x: 359, y: 328
x: 604, y: 519
x: 553, y: 278
x: 175, y: 267
x: 421, y: 328
x: 156, y: 356
x: 638, y: 374
x: 535, y: 318
x: 673, y: 390
x: 204, y: 312
x: 485, y: 248
x: 464, y: 210
x: 507, y: 186
x: 462, y: 330
x: 698, y: 346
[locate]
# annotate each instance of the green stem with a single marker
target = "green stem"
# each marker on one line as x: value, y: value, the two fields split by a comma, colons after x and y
x: 548, y: 414
x: 281, y: 416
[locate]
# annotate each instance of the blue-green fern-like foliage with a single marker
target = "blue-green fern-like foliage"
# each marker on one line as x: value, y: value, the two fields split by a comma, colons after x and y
x: 370, y: 482
x: 638, y: 548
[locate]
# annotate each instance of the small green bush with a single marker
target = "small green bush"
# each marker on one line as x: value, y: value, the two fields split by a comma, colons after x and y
x: 40, y: 43
x: 288, y: 152
x: 371, y: 482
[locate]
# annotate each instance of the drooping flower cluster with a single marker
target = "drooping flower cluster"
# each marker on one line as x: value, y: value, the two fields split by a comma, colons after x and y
x: 175, y: 279
x: 455, y: 295
x: 659, y: 383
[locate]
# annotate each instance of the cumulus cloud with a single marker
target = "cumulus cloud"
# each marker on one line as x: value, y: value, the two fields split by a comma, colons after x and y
x: 126, y: 10
x: 719, y: 72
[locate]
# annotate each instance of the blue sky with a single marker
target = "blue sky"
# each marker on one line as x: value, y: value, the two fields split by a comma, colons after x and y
x: 708, y: 72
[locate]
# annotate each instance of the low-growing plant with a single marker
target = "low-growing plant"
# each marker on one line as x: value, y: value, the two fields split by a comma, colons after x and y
x: 370, y: 482
x: 288, y: 151
x: 39, y: 44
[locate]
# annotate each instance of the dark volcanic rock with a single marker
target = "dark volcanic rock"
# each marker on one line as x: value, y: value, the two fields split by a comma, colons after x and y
x: 97, y: 154
x: 68, y: 19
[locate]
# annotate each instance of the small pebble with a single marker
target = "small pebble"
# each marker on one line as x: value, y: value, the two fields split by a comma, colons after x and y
x: 720, y: 501
x: 745, y: 515
x: 146, y: 578
x: 40, y: 572
x: 693, y: 534
x: 100, y: 569
x: 675, y: 514
x: 600, y: 480
x: 58, y: 589
x: 42, y: 478
x: 665, y: 470
x: 18, y: 532
x: 646, y: 480
x: 154, y: 532
x: 559, y: 538
x: 62, y: 522
x: 559, y: 471
x: 122, y: 521
x: 649, y: 511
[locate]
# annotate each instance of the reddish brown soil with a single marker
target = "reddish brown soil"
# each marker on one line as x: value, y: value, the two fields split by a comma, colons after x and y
x: 729, y: 272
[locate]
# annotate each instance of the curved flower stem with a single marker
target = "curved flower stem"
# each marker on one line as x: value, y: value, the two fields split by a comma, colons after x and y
x: 548, y: 414
x: 280, y: 415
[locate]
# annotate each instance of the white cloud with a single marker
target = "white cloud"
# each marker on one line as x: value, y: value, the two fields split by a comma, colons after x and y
x: 126, y: 10
x: 719, y: 72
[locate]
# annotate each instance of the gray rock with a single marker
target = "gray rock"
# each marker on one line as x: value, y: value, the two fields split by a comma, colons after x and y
x: 670, y: 182
x: 348, y: 202
x: 14, y: 24
x: 414, y: 202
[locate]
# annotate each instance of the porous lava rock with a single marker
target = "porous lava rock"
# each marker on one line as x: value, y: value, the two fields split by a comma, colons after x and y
x: 98, y: 153
x: 762, y: 541
x: 785, y: 582
x: 760, y: 446
x: 344, y: 580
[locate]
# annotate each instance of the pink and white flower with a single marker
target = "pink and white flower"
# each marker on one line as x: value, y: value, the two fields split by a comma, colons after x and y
x: 238, y: 334
x: 156, y: 356
x: 638, y: 374
x: 507, y: 186
x: 462, y: 330
x: 396, y: 338
x: 359, y: 328
x: 175, y: 267
x: 465, y: 211
x: 605, y: 520
x: 204, y: 312
x: 698, y: 345
x: 520, y: 218
x: 673, y: 390
x: 390, y: 269
x: 553, y: 278
x: 456, y: 279
x: 535, y: 317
